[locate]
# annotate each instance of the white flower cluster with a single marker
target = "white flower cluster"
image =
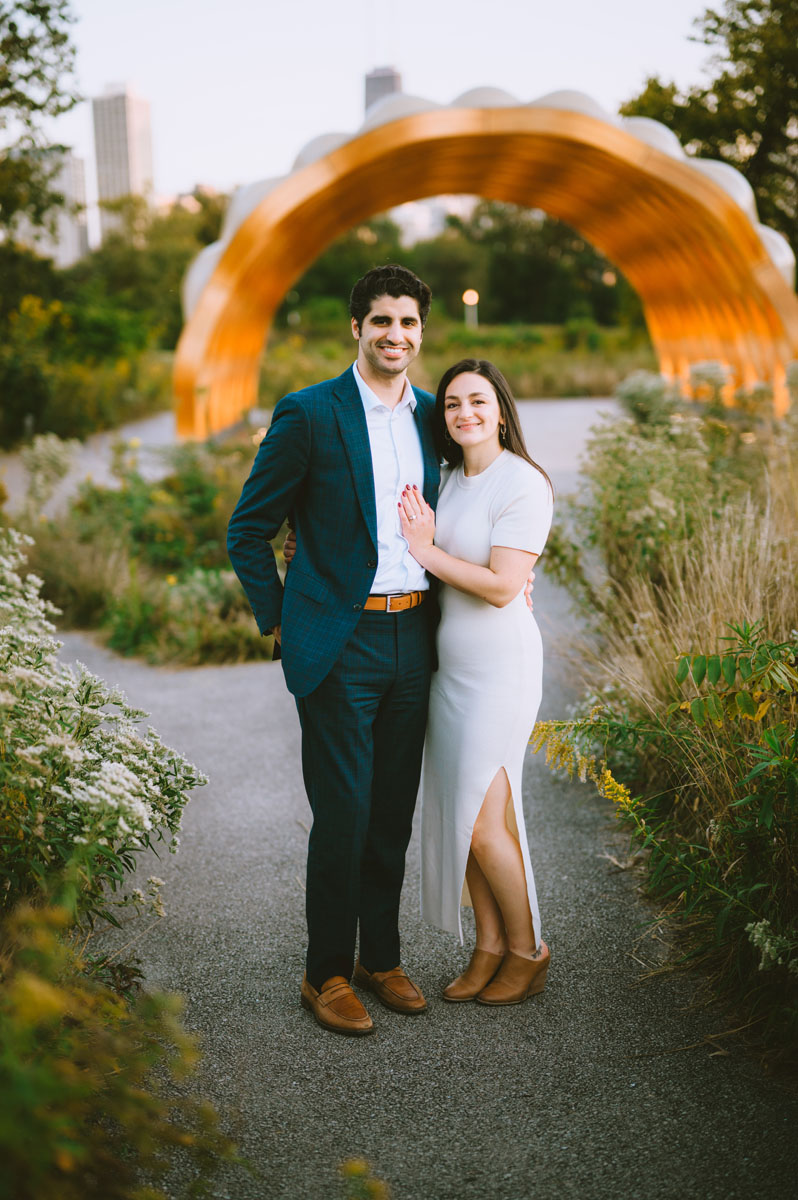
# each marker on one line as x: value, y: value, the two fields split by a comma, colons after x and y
x: 673, y: 469
x: 644, y: 384
x: 82, y: 772
x: 204, y: 591
x: 710, y: 374
x: 47, y: 460
x: 774, y: 949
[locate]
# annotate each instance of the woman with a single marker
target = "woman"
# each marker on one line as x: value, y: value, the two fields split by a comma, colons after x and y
x: 493, y: 517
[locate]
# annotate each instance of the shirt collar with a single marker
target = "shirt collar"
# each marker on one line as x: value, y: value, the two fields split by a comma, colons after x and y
x: 371, y: 400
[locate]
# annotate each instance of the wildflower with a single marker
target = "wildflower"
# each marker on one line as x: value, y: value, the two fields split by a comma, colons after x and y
x: 171, y: 580
x: 774, y: 949
x: 72, y: 752
x: 618, y: 793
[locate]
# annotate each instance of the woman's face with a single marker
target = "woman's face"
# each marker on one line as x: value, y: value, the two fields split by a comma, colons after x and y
x: 471, y: 411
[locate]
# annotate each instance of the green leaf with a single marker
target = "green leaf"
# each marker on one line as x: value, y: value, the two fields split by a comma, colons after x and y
x: 766, y: 811
x: 682, y: 669
x: 757, y: 770
x: 729, y: 668
x: 699, y: 668
x: 746, y: 670
x: 713, y: 669
x: 714, y: 707
x: 720, y: 923
x: 698, y: 711
x: 745, y: 704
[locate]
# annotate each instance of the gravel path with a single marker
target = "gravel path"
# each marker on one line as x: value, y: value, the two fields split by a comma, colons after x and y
x: 152, y: 435
x: 601, y: 1087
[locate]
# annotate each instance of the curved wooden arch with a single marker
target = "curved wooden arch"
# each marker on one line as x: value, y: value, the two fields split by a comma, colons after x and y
x: 708, y: 287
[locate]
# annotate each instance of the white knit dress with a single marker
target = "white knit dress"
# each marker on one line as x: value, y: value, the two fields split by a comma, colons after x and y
x: 486, y: 692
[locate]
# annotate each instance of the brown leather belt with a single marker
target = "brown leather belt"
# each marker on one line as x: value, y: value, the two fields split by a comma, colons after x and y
x: 394, y: 603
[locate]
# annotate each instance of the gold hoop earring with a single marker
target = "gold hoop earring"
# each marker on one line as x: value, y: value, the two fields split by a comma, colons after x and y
x: 502, y: 434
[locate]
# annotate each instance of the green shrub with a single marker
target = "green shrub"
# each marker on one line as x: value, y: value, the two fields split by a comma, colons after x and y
x: 690, y: 723
x: 582, y: 333
x: 646, y: 484
x: 83, y: 1113
x: 50, y: 383
x: 200, y: 618
x: 492, y: 337
x: 643, y: 488
x: 83, y: 791
x: 531, y: 356
x: 147, y: 562
x: 647, y: 398
x: 712, y: 798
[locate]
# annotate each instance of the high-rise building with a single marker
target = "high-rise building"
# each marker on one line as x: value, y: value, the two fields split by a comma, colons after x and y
x: 382, y: 81
x: 122, y: 148
x: 67, y: 240
x: 418, y: 219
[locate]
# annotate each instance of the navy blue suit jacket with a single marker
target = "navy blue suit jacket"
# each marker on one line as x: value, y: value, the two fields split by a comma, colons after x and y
x: 315, y: 464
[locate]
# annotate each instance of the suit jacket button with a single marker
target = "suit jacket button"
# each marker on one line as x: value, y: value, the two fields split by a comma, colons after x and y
x: 371, y: 563
x: 357, y: 607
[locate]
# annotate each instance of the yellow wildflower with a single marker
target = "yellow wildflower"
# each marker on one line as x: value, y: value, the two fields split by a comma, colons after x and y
x: 609, y: 787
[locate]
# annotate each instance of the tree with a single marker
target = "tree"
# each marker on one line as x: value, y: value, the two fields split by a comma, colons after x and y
x: 535, y: 269
x: 36, y: 64
x: 347, y: 258
x: 748, y: 115
x: 450, y: 263
x: 23, y: 273
x: 126, y: 293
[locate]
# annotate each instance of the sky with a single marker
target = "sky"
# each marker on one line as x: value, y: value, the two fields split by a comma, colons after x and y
x: 238, y: 87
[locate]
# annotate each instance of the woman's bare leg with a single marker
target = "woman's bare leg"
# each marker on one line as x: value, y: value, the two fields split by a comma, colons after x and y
x: 501, y: 865
x: 491, y: 935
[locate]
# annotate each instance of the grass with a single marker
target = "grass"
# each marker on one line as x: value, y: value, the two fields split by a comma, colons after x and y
x: 539, y: 361
x: 690, y: 723
x: 146, y: 563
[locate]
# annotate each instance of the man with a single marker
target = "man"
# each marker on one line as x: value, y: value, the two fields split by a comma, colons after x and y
x: 353, y: 626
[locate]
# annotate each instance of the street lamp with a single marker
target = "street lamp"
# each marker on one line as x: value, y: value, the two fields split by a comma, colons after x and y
x: 470, y: 302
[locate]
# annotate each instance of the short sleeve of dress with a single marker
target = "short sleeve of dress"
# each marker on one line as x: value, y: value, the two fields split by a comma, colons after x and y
x: 525, y: 515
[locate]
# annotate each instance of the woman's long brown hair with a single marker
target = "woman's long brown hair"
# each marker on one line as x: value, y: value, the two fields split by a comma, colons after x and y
x: 513, y: 439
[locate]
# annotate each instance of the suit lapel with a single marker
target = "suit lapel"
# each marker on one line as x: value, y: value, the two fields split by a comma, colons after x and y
x: 432, y: 473
x: 351, y: 419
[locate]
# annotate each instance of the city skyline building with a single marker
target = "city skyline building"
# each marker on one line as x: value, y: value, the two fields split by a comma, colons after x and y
x: 381, y: 82
x: 122, y: 149
x: 67, y: 239
x: 418, y: 220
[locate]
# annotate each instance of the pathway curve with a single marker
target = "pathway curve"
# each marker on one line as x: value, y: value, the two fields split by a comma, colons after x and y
x: 93, y: 458
x: 598, y: 1088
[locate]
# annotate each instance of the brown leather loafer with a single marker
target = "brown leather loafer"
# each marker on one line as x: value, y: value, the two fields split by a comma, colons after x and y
x: 392, y: 988
x: 336, y: 1007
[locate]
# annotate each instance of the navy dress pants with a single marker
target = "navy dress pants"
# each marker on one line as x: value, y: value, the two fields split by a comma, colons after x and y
x: 362, y: 740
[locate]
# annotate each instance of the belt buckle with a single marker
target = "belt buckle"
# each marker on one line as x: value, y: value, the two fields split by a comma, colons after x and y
x: 390, y: 600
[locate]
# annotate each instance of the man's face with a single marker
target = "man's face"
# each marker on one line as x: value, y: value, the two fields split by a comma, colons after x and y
x: 390, y: 336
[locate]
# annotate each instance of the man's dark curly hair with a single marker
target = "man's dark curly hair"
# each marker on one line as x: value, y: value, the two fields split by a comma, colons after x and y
x: 391, y: 280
